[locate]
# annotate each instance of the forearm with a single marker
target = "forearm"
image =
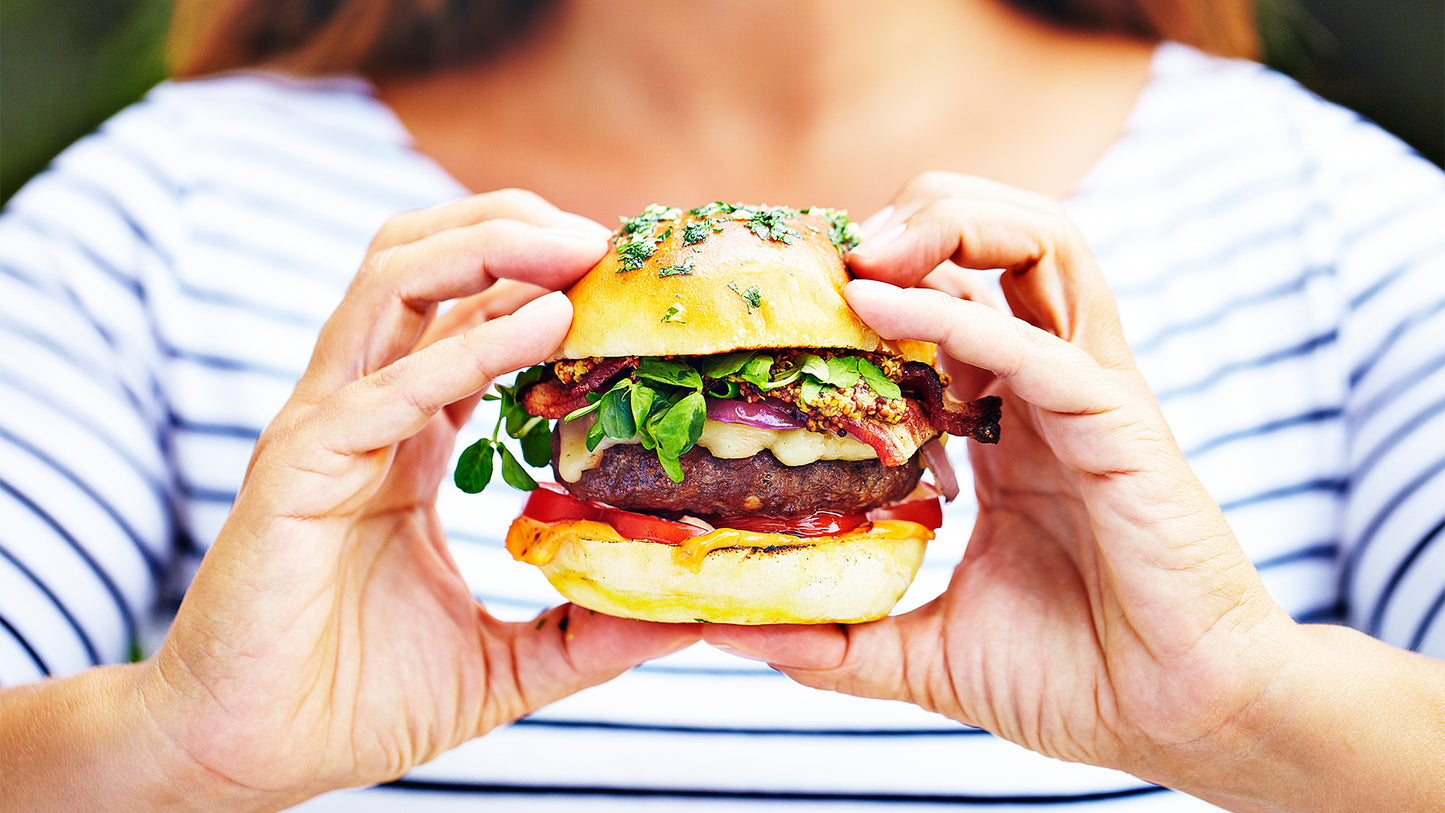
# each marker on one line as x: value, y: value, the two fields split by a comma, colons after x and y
x: 1351, y: 724
x: 89, y: 742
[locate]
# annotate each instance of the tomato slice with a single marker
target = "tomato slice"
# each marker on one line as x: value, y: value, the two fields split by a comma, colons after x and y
x: 923, y: 506
x: 551, y: 502
x: 645, y: 526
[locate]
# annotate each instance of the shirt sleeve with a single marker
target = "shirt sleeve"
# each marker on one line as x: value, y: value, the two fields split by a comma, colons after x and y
x: 1385, y: 225
x: 86, y: 508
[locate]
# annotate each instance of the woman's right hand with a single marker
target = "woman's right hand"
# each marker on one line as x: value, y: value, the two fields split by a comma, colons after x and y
x: 328, y: 639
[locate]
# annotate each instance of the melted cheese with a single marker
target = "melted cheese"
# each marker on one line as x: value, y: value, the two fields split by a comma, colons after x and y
x: 792, y: 447
x: 537, y: 543
x: 528, y: 541
x: 573, y: 456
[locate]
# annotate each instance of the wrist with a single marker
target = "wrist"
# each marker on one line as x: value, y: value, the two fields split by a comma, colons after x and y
x: 1208, y: 742
x: 1237, y: 767
x: 85, y: 742
x: 91, y: 742
x: 1349, y: 723
x: 183, y: 778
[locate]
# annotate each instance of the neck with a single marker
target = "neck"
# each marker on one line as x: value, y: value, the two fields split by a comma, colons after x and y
x: 792, y: 67
x: 749, y: 99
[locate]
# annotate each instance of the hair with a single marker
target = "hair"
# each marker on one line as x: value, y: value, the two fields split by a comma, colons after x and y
x: 1225, y: 27
x: 315, y: 37
x: 397, y: 37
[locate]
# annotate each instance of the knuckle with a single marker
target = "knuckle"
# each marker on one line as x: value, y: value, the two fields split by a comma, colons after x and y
x: 396, y: 230
x: 378, y: 266
x: 516, y: 200
x: 1034, y: 341
x: 1066, y: 231
x: 276, y: 436
x: 951, y: 209
x: 480, y: 355
x: 936, y: 183
x: 1065, y: 237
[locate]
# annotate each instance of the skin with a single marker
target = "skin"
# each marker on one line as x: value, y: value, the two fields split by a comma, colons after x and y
x: 1102, y: 613
x: 328, y: 639
x: 611, y: 108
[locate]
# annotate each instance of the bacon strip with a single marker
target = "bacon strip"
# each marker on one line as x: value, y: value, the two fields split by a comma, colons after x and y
x: 895, y: 443
x: 974, y: 419
x: 551, y: 399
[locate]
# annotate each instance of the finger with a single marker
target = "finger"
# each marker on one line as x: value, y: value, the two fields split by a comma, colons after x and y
x: 512, y: 204
x: 1143, y: 498
x: 393, y: 403
x: 981, y: 234
x: 395, y: 294
x: 504, y: 297
x: 867, y: 660
x: 1040, y: 368
x: 567, y: 649
x: 1052, y: 280
x: 927, y: 187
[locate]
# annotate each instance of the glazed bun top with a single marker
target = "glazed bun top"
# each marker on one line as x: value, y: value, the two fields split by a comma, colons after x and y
x: 719, y: 278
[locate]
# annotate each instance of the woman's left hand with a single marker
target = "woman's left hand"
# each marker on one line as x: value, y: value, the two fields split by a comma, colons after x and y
x: 1103, y: 612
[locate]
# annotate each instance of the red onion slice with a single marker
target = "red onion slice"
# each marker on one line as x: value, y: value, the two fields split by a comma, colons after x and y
x: 935, y: 459
x: 764, y: 415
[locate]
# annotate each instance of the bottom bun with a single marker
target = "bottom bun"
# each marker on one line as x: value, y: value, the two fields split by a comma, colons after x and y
x: 727, y: 576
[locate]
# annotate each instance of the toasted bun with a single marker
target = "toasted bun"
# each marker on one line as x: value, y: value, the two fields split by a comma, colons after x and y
x: 730, y: 288
x: 760, y: 579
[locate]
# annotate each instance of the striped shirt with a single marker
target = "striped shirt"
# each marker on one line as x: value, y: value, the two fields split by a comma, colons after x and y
x: 1278, y: 262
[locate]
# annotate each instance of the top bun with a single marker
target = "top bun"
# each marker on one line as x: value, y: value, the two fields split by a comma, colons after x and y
x: 719, y: 278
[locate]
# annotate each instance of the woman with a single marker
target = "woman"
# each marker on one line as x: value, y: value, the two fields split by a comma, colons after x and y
x: 1272, y: 260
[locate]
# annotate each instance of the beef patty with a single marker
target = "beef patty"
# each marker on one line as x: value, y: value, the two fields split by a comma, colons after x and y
x: 629, y: 476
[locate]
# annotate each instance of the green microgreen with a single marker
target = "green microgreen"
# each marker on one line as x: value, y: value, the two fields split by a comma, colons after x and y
x: 670, y: 372
x: 477, y: 462
x: 660, y: 406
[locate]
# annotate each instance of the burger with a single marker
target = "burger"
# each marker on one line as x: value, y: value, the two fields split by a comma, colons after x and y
x: 730, y: 442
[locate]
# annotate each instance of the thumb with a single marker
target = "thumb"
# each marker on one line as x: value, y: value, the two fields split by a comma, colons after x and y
x: 867, y: 660
x: 567, y: 649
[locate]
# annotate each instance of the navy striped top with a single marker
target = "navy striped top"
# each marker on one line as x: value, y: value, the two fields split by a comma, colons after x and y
x: 1279, y: 264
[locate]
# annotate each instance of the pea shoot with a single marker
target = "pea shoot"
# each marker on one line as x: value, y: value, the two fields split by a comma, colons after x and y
x: 478, y: 461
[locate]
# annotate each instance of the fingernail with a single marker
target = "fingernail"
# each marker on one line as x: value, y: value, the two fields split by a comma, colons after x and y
x: 868, y: 287
x: 587, y: 226
x: 873, y: 245
x: 542, y: 303
x: 876, y: 221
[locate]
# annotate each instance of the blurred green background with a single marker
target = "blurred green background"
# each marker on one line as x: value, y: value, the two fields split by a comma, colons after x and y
x: 65, y: 65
